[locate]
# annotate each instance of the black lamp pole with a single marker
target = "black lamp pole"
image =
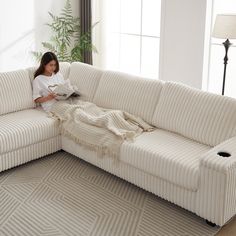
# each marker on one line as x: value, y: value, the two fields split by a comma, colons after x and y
x: 226, y: 44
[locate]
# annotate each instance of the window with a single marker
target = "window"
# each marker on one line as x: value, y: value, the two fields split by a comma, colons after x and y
x: 217, y: 53
x: 132, y: 35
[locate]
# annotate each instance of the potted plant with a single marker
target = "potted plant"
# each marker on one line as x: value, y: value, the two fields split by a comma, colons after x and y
x: 66, y: 41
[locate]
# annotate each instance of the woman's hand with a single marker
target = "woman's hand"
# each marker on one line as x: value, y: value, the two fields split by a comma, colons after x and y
x: 50, y: 96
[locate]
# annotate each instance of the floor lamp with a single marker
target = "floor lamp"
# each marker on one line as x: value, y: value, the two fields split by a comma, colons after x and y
x: 225, y: 28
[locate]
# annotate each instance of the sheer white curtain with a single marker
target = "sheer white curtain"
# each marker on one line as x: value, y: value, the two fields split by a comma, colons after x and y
x: 217, y: 53
x: 127, y: 36
x: 23, y: 29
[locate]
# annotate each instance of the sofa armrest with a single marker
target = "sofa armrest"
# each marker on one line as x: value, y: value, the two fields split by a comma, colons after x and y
x: 216, y: 196
x: 222, y: 157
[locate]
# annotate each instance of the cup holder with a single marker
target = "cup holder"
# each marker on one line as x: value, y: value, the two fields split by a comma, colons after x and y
x: 224, y: 154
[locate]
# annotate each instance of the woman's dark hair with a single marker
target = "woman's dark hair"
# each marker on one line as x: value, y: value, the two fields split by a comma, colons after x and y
x: 46, y: 58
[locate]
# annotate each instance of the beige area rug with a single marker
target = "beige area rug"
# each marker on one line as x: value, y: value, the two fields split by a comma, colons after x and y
x: 63, y: 195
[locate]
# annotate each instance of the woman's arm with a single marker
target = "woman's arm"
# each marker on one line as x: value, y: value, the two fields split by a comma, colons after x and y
x: 49, y: 97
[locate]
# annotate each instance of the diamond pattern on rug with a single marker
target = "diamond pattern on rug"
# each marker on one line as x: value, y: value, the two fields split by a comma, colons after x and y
x: 62, y: 195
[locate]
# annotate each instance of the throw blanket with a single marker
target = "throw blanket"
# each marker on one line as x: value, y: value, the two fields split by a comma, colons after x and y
x: 99, y: 129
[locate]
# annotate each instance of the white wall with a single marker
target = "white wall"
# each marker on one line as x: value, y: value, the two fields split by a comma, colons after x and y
x: 22, y: 29
x: 182, y: 41
x: 16, y: 33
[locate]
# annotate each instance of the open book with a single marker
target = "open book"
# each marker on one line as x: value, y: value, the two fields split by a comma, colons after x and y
x: 64, y: 91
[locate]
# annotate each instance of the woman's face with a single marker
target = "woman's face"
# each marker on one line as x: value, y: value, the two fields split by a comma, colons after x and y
x: 50, y: 67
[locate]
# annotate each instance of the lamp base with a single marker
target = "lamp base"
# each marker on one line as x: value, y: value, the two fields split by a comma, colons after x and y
x: 226, y: 44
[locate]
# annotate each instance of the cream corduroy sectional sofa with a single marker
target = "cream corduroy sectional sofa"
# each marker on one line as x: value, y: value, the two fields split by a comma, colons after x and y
x: 189, y: 160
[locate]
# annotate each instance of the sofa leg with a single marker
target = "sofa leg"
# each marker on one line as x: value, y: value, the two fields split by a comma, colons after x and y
x: 210, y: 223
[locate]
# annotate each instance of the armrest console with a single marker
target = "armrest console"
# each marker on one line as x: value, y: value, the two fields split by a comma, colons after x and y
x: 222, y: 157
x: 216, y: 196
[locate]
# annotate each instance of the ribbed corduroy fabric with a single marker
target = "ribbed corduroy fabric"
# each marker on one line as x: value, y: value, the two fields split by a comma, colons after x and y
x: 29, y: 153
x: 15, y: 91
x: 86, y: 78
x: 31, y: 71
x: 164, y: 154
x: 171, y: 192
x: 218, y: 183
x: 133, y: 94
x: 174, y: 167
x: 213, y: 161
x: 214, y: 200
x: 26, y: 127
x: 65, y: 69
x: 202, y: 116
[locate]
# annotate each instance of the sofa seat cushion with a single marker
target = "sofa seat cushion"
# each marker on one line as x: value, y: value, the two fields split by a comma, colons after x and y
x: 167, y: 155
x: 26, y: 127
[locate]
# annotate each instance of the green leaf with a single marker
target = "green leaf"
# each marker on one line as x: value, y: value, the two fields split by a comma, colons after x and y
x: 66, y: 40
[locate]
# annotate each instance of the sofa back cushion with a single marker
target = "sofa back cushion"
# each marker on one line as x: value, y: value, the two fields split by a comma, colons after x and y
x: 86, y: 78
x: 130, y: 93
x: 64, y: 69
x: 15, y: 91
x: 202, y: 116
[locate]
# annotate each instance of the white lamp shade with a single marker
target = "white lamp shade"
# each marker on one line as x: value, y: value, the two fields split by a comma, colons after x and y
x: 225, y: 27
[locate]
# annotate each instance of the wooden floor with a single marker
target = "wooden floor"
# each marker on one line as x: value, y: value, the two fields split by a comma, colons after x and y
x: 229, y: 229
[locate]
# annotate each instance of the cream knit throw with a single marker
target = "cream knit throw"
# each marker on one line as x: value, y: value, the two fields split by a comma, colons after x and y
x: 99, y: 129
